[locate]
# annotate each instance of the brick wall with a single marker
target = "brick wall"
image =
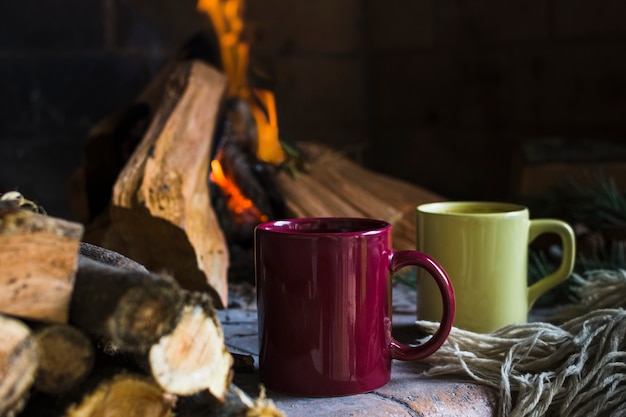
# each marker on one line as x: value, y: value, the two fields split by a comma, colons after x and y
x: 439, y: 92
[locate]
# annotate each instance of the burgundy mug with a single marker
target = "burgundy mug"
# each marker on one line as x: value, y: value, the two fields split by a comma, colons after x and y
x: 324, y: 305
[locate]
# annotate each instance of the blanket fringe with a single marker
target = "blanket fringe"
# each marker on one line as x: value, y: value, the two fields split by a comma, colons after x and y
x: 575, y: 367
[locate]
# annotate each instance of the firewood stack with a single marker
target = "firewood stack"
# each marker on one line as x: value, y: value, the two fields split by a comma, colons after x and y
x: 90, y: 332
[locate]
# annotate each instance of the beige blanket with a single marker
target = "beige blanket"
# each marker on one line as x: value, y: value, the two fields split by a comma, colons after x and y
x: 573, y: 365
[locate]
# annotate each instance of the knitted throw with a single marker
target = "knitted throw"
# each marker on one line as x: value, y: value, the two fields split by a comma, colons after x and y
x: 573, y: 366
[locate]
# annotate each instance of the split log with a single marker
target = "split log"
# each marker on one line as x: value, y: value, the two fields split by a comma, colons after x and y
x: 171, y: 332
x: 109, y: 257
x: 18, y: 365
x: 111, y: 141
x: 333, y: 185
x: 39, y: 259
x: 161, y: 212
x: 193, y: 357
x: 66, y: 358
x: 127, y: 395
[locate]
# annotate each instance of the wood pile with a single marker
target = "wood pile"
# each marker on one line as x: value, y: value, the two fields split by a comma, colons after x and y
x: 90, y: 332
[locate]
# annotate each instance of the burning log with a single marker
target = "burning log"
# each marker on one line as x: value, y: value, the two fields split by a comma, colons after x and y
x: 160, y: 213
x: 243, y: 194
x: 39, y: 259
x: 333, y: 185
x: 18, y: 365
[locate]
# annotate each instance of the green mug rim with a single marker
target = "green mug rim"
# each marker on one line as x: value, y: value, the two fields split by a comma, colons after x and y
x: 448, y: 208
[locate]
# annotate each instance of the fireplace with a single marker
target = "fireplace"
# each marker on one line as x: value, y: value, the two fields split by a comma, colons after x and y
x: 424, y: 91
x: 439, y: 94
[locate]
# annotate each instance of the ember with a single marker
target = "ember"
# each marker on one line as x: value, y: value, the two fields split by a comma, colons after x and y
x: 226, y: 16
x: 242, y: 207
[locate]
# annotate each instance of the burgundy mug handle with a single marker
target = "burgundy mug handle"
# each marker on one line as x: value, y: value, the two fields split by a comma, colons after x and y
x: 403, y: 258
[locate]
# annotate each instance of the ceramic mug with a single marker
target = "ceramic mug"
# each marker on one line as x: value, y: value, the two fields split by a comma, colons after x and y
x: 483, y: 247
x: 324, y: 295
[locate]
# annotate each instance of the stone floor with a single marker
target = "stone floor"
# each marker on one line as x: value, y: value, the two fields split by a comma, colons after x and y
x: 408, y: 394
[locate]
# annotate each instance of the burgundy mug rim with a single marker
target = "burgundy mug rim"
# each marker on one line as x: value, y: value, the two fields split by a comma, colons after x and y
x: 292, y: 226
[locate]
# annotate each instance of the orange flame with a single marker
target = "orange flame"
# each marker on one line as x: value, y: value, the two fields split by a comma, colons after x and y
x: 242, y: 207
x: 226, y: 16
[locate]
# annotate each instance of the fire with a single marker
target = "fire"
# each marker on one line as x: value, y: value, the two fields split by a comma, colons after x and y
x: 226, y: 16
x: 242, y: 207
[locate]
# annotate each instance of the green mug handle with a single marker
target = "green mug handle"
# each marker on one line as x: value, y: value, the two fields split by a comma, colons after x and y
x: 568, y: 242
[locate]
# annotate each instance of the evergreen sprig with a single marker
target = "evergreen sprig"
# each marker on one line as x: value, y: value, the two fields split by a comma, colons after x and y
x: 595, y: 202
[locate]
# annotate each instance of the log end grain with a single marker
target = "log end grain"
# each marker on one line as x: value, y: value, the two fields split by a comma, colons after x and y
x: 125, y: 395
x: 66, y: 358
x: 18, y: 365
x: 194, y: 356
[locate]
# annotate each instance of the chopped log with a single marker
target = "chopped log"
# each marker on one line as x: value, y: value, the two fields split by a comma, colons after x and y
x: 333, y: 185
x: 112, y: 139
x: 130, y: 310
x: 258, y: 407
x: 161, y: 212
x: 172, y: 333
x: 39, y: 261
x: 127, y: 395
x: 193, y: 357
x: 18, y: 365
x: 66, y: 358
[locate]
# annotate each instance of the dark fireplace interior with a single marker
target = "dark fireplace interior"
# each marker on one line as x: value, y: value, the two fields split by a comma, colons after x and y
x: 445, y: 94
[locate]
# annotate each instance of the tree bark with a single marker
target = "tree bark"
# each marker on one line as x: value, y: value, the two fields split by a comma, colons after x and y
x: 130, y: 310
x: 109, y: 257
x: 66, y: 358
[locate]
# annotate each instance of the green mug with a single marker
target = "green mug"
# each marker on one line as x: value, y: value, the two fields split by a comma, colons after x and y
x: 483, y: 246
